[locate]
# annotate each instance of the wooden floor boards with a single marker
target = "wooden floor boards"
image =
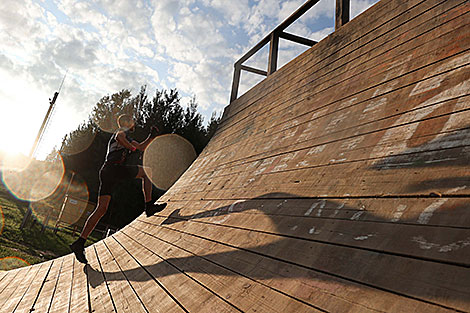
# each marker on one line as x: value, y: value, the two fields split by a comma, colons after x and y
x: 338, y: 184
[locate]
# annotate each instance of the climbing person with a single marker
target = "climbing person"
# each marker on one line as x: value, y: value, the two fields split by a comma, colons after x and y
x: 113, y: 171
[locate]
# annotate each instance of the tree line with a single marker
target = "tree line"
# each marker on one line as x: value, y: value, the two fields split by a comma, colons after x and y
x: 83, y: 150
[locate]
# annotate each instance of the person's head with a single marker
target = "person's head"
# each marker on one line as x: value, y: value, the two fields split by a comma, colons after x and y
x: 126, y: 121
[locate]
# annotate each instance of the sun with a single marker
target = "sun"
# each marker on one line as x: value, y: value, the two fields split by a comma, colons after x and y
x: 14, y: 146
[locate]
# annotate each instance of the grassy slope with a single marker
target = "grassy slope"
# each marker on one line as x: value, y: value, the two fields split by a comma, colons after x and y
x: 28, y: 243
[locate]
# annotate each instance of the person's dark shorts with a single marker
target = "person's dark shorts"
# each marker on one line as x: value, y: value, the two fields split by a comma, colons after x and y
x: 112, y: 174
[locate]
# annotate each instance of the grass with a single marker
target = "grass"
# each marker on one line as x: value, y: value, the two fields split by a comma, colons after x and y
x: 29, y: 243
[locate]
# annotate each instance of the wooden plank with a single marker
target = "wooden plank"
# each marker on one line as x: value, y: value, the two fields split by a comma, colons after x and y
x: 42, y: 291
x: 149, y: 288
x: 297, y: 39
x: 121, y: 289
x: 21, y: 275
x: 450, y: 213
x: 60, y: 301
x: 235, y: 82
x: 22, y: 288
x: 254, y: 70
x: 354, y: 228
x: 273, y: 52
x: 8, y: 278
x: 416, y: 277
x: 3, y: 274
x: 79, y: 294
x: 100, y: 298
x: 241, y: 292
x: 327, y: 292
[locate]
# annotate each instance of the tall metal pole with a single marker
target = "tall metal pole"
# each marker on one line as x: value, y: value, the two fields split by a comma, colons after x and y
x: 46, y: 118
x: 44, y: 122
x: 29, y: 212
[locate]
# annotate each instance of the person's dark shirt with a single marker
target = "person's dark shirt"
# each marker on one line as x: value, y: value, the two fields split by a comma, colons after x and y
x: 117, y: 153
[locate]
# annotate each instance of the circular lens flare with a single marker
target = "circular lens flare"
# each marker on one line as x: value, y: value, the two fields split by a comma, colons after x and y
x: 35, y: 182
x: 12, y: 262
x: 66, y: 206
x: 107, y: 121
x: 75, y: 205
x: 78, y: 142
x: 167, y: 158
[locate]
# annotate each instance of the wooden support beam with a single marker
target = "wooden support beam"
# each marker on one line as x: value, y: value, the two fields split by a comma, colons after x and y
x: 273, y: 52
x: 297, y: 39
x: 342, y: 13
x: 296, y: 15
x: 235, y: 82
x: 254, y: 70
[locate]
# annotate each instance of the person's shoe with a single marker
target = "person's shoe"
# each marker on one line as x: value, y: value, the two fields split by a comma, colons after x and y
x: 154, y: 208
x: 79, y: 250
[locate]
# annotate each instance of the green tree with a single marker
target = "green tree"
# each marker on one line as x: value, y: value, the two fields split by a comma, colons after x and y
x: 84, y: 149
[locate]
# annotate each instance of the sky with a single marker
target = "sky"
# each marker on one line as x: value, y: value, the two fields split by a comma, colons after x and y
x: 104, y: 46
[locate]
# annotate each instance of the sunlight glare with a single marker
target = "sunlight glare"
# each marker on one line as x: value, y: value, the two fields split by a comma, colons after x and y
x: 167, y: 158
x: 35, y: 182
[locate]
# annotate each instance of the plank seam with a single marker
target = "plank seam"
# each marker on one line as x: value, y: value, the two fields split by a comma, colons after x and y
x: 71, y: 286
x: 88, y: 288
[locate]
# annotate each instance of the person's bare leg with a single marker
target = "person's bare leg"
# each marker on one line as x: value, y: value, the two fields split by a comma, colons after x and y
x: 78, y: 247
x: 146, y: 184
x: 94, y: 218
x: 150, y: 208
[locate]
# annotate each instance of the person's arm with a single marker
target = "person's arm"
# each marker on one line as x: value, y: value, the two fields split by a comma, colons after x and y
x: 143, y: 145
x: 122, y: 139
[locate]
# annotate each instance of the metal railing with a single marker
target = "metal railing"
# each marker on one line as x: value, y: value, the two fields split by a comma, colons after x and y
x: 341, y: 18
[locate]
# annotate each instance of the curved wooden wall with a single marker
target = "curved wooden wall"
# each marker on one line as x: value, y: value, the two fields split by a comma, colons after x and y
x: 338, y: 184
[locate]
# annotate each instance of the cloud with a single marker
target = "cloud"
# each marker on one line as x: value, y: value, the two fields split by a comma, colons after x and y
x: 359, y: 6
x: 110, y: 45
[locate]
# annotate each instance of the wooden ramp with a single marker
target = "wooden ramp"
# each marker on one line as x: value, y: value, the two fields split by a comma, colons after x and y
x: 340, y: 183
